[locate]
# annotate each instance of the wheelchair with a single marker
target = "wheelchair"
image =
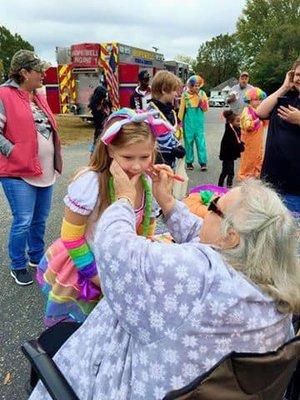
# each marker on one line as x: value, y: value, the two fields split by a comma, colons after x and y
x: 240, y: 376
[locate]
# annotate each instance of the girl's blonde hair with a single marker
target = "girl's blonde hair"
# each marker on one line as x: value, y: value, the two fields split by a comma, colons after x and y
x: 130, y: 133
x: 164, y: 82
x: 267, y: 252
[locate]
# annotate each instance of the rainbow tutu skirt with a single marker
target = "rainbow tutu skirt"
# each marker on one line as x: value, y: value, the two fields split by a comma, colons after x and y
x: 68, y: 298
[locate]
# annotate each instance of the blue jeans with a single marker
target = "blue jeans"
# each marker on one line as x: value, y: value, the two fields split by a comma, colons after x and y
x: 292, y: 202
x: 30, y: 207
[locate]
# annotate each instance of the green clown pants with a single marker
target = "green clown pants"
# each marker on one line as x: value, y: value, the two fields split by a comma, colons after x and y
x: 193, y: 128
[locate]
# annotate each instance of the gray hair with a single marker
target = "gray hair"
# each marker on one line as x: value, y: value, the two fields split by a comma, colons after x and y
x: 267, y: 252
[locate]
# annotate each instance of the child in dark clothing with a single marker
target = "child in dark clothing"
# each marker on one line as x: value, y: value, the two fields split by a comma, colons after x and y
x: 231, y: 147
x: 100, y: 108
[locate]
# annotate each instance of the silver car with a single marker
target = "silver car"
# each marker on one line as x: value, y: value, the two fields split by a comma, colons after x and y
x: 217, y: 101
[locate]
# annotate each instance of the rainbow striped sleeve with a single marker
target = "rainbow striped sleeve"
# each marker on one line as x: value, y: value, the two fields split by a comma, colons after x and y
x: 250, y: 121
x: 78, y: 248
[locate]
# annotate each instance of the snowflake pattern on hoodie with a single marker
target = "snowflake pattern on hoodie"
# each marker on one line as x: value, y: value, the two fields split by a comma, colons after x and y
x: 169, y: 313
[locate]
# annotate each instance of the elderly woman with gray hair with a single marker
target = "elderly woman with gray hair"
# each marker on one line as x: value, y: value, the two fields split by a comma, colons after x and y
x: 171, y: 311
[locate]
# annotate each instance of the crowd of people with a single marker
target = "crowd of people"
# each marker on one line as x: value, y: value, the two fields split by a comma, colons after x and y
x: 156, y: 314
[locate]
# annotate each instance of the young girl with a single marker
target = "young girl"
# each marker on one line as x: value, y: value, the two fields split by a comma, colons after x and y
x: 164, y: 90
x: 193, y: 104
x: 252, y: 135
x: 67, y: 273
x: 231, y: 147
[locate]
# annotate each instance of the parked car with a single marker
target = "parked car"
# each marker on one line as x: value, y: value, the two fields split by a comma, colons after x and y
x: 217, y: 101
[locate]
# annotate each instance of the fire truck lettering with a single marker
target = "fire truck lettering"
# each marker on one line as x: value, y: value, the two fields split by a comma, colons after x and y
x: 141, y: 61
x: 85, y: 52
x: 82, y: 60
x: 142, y: 54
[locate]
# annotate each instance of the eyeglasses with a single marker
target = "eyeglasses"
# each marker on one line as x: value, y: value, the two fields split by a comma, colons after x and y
x: 214, y: 207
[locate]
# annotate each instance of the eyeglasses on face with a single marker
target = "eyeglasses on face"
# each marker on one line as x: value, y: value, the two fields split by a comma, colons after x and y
x: 214, y: 207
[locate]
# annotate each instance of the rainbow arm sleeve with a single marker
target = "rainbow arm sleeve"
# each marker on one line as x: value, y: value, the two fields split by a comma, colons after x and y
x: 249, y: 122
x: 79, y: 251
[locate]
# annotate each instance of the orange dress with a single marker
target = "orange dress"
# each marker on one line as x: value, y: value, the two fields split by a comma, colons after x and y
x: 252, y: 131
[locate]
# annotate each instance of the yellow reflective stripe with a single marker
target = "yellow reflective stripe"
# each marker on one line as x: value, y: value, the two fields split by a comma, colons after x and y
x: 65, y: 109
x: 62, y: 70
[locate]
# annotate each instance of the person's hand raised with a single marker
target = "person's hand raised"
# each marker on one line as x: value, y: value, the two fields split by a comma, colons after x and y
x: 288, y: 83
x: 124, y: 187
x: 162, y: 186
x: 231, y: 98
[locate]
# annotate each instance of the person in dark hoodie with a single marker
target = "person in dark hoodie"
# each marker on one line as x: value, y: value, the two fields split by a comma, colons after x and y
x: 231, y: 147
x: 101, y: 108
x: 165, y: 86
x: 281, y: 165
x: 142, y: 93
x: 30, y: 159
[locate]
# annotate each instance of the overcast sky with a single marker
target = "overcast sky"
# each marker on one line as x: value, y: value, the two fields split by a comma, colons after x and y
x: 174, y: 26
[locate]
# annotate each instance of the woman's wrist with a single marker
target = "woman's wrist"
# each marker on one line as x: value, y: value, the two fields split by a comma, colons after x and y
x: 167, y: 206
x: 283, y: 90
x: 128, y: 198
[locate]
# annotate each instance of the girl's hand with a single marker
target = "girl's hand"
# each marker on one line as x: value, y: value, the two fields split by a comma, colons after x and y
x: 124, y: 187
x: 162, y: 186
x: 288, y: 83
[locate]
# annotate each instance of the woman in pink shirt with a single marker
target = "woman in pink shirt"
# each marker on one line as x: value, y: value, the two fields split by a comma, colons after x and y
x: 30, y: 158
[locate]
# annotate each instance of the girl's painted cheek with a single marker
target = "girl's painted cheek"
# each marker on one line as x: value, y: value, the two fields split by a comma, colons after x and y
x: 148, y: 164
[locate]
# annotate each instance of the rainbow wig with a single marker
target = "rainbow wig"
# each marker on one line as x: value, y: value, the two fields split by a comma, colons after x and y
x: 254, y: 93
x: 195, y: 79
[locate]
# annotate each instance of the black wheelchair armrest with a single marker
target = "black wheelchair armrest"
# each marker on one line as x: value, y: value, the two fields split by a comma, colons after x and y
x: 54, y: 381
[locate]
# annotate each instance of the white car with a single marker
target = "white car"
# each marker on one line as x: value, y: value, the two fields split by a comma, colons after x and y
x: 217, y: 101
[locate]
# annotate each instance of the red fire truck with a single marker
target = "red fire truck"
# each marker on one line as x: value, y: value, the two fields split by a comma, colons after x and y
x: 82, y: 67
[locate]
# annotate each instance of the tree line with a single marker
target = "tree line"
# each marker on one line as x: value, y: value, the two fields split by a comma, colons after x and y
x: 266, y: 42
x: 9, y: 45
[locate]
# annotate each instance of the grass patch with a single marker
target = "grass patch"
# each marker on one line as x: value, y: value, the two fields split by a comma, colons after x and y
x: 73, y: 130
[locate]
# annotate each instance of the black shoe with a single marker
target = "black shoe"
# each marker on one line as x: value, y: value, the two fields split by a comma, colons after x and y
x: 203, y: 167
x: 22, y: 276
x: 33, y: 264
x: 190, y: 166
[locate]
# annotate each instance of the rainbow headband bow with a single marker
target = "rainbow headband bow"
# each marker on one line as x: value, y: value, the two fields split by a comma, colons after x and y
x: 158, y: 126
